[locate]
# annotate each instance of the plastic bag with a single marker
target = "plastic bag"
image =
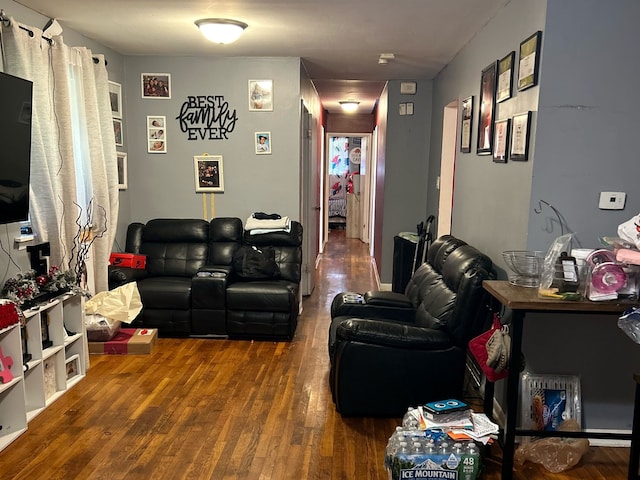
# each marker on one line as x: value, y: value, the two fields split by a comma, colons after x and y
x: 629, y: 322
x: 629, y: 230
x: 554, y: 454
x: 122, y: 304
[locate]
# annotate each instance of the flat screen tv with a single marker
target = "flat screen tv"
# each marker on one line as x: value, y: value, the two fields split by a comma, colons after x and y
x: 15, y: 147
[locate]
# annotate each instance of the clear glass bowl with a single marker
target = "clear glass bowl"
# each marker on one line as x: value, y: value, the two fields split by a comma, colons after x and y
x: 525, y: 265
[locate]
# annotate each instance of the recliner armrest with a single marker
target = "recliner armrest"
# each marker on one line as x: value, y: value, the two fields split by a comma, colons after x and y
x: 118, y: 276
x: 392, y: 334
x: 387, y: 299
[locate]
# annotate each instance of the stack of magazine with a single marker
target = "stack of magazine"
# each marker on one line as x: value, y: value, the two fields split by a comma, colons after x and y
x: 456, y: 419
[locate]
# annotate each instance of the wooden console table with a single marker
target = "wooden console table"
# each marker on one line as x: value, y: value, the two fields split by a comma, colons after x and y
x: 521, y: 300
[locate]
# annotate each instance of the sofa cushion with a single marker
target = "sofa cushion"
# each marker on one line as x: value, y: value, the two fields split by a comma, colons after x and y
x: 175, y: 247
x: 266, y: 295
x: 172, y: 293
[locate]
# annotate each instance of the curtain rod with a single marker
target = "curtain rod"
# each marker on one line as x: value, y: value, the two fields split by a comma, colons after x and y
x: 6, y: 21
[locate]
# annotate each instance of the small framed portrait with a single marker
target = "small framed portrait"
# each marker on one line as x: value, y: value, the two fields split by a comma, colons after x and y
x: 208, y: 173
x: 122, y: 170
x: 156, y: 85
x: 260, y: 95
x: 465, y: 130
x: 117, y: 132
x: 73, y: 367
x: 115, y: 98
x: 529, y: 63
x: 263, y: 143
x: 520, y: 136
x: 501, y: 141
x: 156, y: 134
x: 505, y: 78
x: 487, y: 107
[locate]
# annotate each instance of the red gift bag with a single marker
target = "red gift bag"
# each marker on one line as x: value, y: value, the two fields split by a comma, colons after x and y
x: 478, y: 348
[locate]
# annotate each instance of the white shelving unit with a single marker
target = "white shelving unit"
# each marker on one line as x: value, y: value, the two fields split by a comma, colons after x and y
x: 53, y: 368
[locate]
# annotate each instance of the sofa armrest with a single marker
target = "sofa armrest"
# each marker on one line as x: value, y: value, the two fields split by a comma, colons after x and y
x: 387, y: 305
x: 392, y: 334
x: 208, y: 287
x: 118, y: 276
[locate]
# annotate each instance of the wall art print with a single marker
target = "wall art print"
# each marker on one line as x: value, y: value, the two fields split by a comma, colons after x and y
x: 156, y: 85
x: 156, y: 134
x: 260, y: 95
x: 208, y: 173
x: 487, y: 110
x: 263, y: 143
x: 207, y: 117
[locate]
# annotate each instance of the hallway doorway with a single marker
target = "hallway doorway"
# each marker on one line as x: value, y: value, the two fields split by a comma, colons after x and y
x: 348, y: 184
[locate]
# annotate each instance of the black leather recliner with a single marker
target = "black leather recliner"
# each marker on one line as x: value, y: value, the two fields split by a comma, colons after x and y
x: 189, y: 286
x: 389, y: 351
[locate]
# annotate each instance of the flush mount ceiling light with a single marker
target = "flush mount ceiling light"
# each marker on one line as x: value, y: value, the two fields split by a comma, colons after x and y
x: 221, y: 30
x: 385, y: 58
x: 349, y: 106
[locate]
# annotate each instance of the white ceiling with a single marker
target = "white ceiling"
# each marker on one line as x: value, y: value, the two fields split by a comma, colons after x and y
x: 339, y: 41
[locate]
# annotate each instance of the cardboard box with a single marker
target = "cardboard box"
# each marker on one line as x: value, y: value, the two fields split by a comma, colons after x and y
x: 128, y: 341
x: 130, y: 260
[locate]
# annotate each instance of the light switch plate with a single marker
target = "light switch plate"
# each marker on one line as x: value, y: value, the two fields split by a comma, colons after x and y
x: 612, y: 200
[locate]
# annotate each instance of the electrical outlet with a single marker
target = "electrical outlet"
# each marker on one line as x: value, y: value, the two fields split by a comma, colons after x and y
x: 612, y: 200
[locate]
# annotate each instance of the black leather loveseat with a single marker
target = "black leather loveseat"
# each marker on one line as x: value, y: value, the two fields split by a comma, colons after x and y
x: 389, y: 351
x: 189, y: 286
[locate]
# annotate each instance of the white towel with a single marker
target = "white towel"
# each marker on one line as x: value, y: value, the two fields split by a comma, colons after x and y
x: 280, y: 224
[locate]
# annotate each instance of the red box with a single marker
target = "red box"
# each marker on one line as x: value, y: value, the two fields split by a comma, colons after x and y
x: 128, y: 341
x: 129, y: 260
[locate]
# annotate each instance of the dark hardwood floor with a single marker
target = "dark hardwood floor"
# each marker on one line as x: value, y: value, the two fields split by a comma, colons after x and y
x: 222, y: 409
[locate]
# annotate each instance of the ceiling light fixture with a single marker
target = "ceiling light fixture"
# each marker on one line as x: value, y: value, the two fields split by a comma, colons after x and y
x: 385, y: 58
x: 349, y: 106
x: 221, y: 30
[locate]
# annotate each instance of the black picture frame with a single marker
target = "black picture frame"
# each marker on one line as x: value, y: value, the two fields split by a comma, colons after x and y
x: 501, y: 141
x: 487, y: 109
x: 465, y: 125
x: 520, y: 134
x: 529, y: 61
x: 504, y: 89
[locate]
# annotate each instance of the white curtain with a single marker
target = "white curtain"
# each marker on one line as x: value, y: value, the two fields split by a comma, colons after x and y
x: 74, y: 178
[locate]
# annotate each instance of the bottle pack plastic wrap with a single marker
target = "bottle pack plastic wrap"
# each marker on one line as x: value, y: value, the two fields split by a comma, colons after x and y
x: 554, y: 454
x: 629, y: 322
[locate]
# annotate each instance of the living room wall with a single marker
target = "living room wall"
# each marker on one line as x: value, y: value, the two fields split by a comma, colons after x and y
x: 163, y: 184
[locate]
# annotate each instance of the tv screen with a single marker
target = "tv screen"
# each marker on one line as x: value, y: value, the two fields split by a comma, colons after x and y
x: 15, y: 147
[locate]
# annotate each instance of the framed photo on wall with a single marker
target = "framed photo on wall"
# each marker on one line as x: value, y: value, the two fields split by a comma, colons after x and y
x: 156, y: 85
x: 156, y: 134
x: 487, y: 110
x: 115, y: 98
x: 465, y: 130
x: 520, y: 132
x: 208, y: 173
x: 122, y: 170
x: 117, y: 132
x: 263, y: 143
x: 501, y: 141
x: 260, y: 95
x: 505, y: 78
x: 529, y: 61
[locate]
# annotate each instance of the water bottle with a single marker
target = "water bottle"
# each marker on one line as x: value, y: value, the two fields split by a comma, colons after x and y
x: 410, y: 420
x: 444, y: 449
x: 457, y: 449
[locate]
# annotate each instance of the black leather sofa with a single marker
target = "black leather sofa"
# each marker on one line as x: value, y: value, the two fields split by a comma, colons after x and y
x: 389, y: 351
x: 189, y: 287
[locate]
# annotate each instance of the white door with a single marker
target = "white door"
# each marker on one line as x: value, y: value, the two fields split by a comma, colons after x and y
x: 310, y: 203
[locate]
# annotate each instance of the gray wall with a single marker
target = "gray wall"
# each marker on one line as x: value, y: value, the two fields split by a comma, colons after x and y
x: 582, y: 124
x: 163, y: 185
x: 406, y: 165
